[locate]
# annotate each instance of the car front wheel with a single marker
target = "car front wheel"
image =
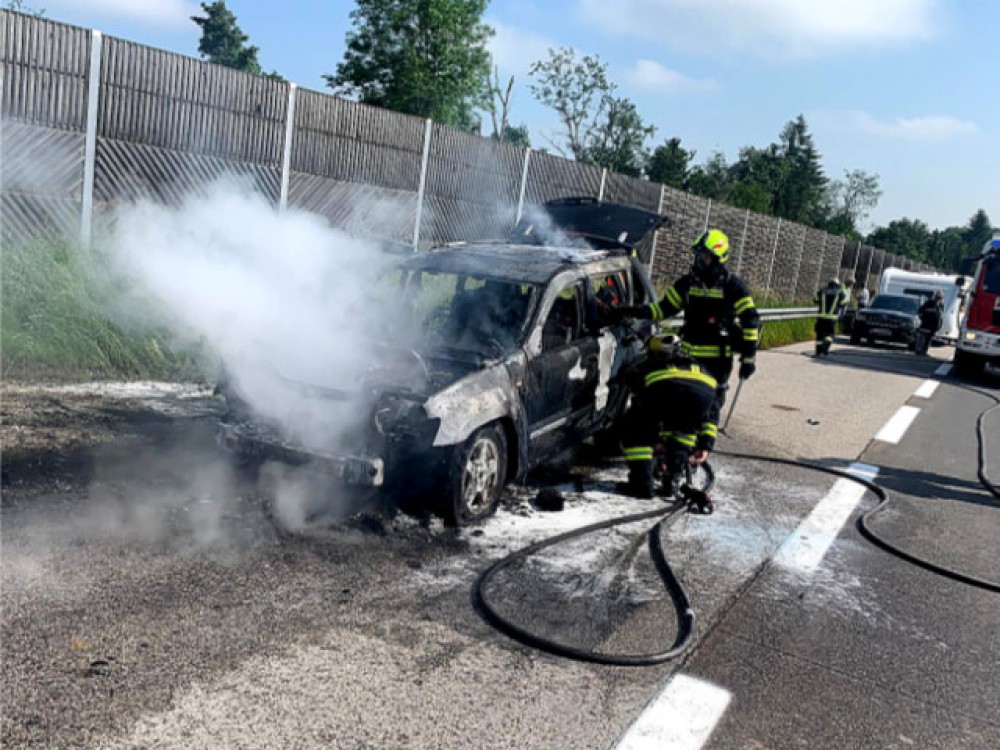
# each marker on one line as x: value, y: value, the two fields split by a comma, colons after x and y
x: 477, y: 476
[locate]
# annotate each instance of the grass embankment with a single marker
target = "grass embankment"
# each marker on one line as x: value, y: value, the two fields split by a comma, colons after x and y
x: 64, y: 316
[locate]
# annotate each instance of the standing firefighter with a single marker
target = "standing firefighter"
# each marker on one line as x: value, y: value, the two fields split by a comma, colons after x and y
x: 671, y: 399
x: 720, y: 318
x: 831, y: 300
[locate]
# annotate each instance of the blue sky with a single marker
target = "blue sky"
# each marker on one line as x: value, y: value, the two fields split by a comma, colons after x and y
x: 907, y: 89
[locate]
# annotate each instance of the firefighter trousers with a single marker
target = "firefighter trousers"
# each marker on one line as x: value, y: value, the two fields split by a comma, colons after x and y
x: 670, y: 413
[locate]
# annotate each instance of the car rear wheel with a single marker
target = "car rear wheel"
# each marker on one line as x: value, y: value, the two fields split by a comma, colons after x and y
x: 476, y: 478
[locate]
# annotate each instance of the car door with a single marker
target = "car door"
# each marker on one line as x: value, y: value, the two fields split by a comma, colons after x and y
x: 562, y: 373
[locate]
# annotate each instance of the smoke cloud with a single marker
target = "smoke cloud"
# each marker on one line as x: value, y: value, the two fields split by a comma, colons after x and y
x: 282, y: 299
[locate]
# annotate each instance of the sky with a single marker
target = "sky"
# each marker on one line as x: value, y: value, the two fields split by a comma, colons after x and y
x: 906, y: 89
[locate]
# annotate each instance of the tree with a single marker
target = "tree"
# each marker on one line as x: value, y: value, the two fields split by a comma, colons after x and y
x: 800, y: 195
x: 22, y: 7
x: 848, y: 202
x: 222, y: 41
x: 670, y: 164
x: 579, y: 92
x: 910, y: 238
x: 618, y: 141
x: 421, y: 57
x: 976, y: 233
x: 515, y: 135
x: 709, y: 180
x: 499, y: 109
x: 756, y: 178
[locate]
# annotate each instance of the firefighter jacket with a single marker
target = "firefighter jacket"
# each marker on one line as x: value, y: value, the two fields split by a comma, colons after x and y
x: 720, y: 318
x: 831, y: 301
x: 673, y: 398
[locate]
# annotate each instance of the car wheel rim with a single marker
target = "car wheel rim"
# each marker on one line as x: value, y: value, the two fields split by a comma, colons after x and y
x: 480, y: 476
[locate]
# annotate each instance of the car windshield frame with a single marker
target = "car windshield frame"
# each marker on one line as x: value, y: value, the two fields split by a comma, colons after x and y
x: 897, y: 303
x: 450, y: 312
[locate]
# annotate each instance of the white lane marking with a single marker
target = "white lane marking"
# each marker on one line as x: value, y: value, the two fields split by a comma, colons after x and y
x: 804, y: 549
x: 896, y: 427
x: 927, y: 388
x: 682, y: 717
x: 943, y: 370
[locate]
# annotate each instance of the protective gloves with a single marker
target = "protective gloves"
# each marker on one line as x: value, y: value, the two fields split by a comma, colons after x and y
x: 748, y: 366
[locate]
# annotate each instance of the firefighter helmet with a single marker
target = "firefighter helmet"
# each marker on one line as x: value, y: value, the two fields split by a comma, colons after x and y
x: 714, y: 242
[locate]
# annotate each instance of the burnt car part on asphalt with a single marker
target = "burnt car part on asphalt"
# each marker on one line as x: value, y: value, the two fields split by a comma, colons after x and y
x: 497, y: 362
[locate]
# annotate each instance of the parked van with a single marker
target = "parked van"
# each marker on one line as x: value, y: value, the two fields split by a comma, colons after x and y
x: 979, y: 337
x: 954, y: 290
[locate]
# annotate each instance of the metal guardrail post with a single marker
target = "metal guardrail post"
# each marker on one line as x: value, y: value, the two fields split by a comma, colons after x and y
x: 423, y: 183
x: 90, y: 144
x: 524, y: 185
x: 286, y: 159
x: 774, y: 253
x: 600, y: 190
x: 656, y: 234
x: 708, y: 215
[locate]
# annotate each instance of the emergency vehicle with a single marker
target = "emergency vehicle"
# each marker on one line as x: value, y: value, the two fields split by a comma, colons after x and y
x: 979, y: 335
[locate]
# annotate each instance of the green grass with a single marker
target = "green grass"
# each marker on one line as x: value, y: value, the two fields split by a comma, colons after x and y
x: 56, y: 320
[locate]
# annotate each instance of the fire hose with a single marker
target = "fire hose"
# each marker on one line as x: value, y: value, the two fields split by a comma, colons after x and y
x: 682, y: 604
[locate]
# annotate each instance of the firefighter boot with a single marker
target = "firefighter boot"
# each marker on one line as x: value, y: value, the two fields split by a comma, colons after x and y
x: 673, y: 472
x: 640, y: 480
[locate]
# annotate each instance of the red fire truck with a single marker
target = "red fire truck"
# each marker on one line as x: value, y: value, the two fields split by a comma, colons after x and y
x: 979, y: 336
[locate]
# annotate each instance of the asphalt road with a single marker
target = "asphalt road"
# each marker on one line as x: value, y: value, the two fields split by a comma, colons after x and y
x: 154, y: 602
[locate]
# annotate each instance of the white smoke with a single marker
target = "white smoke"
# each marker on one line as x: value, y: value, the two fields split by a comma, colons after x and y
x: 281, y: 298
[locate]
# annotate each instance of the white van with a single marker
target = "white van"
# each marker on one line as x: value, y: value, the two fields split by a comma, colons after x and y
x: 954, y: 290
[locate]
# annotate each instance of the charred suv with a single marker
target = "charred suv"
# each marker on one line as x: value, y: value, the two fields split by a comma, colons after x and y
x: 499, y: 364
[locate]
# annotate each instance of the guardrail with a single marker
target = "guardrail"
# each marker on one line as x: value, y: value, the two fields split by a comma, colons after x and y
x: 766, y: 315
x: 787, y: 313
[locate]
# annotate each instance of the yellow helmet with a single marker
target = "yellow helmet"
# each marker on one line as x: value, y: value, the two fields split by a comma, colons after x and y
x: 715, y: 242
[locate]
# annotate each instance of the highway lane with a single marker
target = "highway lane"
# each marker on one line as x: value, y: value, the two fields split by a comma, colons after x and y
x: 210, y: 628
x: 866, y: 650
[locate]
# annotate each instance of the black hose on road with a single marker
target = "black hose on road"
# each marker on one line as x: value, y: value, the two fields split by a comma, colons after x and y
x: 682, y: 604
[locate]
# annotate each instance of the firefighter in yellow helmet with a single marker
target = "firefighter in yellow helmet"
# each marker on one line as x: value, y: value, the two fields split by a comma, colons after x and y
x: 720, y: 320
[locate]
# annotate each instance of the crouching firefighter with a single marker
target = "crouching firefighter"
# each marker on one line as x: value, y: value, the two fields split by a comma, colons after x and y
x: 720, y: 318
x: 671, y: 398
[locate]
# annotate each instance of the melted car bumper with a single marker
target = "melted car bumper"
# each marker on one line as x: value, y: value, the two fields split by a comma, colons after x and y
x: 251, y: 443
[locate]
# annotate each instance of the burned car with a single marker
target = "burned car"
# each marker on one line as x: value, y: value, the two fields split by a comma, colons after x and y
x: 500, y: 363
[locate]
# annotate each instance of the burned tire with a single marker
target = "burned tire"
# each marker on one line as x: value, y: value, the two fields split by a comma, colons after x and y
x: 476, y: 477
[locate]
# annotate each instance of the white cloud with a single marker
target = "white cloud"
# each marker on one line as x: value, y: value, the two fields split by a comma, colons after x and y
x: 767, y: 28
x: 514, y: 50
x: 924, y: 129
x: 651, y: 76
x: 927, y: 129
x: 169, y: 13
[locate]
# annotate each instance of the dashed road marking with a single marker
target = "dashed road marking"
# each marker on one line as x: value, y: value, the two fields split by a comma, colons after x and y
x: 896, y: 427
x: 804, y: 549
x: 682, y: 717
x: 943, y: 370
x: 927, y: 388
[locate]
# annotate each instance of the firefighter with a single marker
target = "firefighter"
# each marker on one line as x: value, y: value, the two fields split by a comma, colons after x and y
x: 714, y: 301
x: 931, y: 314
x: 672, y: 396
x: 831, y: 301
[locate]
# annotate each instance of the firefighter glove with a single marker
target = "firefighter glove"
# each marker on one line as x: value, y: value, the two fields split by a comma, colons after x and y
x: 748, y: 366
